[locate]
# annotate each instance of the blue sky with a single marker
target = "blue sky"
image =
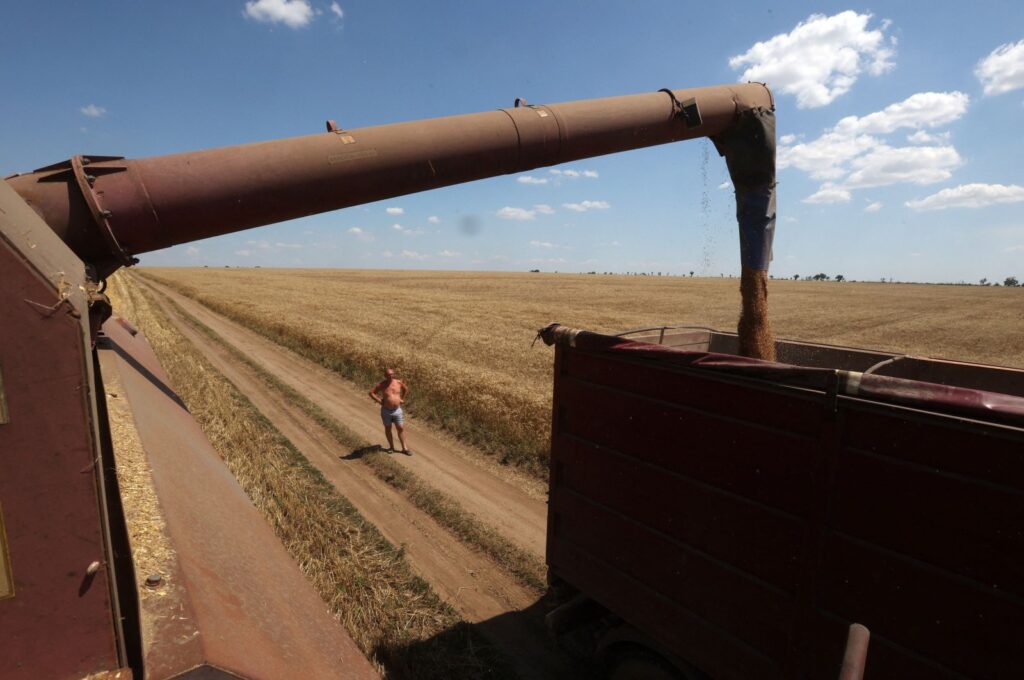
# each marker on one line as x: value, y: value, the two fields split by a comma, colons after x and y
x: 900, y: 129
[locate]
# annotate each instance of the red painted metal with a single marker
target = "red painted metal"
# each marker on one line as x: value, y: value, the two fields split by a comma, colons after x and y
x: 105, y: 209
x: 61, y: 622
x: 743, y: 519
x: 855, y: 657
x: 161, y: 201
x: 233, y: 599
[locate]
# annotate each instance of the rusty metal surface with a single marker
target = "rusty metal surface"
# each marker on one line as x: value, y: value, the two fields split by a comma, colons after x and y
x: 62, y: 620
x: 940, y: 386
x: 230, y: 599
x: 761, y: 520
x: 856, y: 654
x: 4, y: 419
x: 161, y: 201
x: 963, y: 374
x: 6, y: 578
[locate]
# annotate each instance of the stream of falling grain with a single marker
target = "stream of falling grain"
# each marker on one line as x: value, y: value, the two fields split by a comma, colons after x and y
x: 708, y: 248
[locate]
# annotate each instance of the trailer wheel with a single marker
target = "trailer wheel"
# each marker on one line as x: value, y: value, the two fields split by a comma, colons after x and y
x: 634, y: 662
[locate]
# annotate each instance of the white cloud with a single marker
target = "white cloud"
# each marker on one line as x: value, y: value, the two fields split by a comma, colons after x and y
x: 824, y: 157
x: 413, y: 255
x: 918, y: 164
x: 450, y: 253
x: 244, y: 252
x: 924, y: 109
x: 829, y: 193
x: 361, y: 234
x: 1014, y: 249
x: 725, y: 185
x: 584, y: 206
x: 530, y: 179
x: 1003, y: 69
x: 434, y: 219
x: 405, y: 230
x: 970, y: 196
x: 544, y: 209
x: 395, y: 211
x: 820, y: 59
x: 191, y: 251
x: 520, y: 214
x: 543, y: 244
x: 923, y: 137
x: 263, y: 244
x: 337, y: 11
x: 291, y: 13
x: 387, y: 254
x: 852, y: 155
x: 572, y: 173
x: 873, y: 207
x: 787, y: 139
x: 93, y: 111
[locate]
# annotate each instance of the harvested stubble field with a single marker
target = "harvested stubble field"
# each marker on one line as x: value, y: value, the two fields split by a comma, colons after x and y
x: 392, y: 614
x: 463, y: 339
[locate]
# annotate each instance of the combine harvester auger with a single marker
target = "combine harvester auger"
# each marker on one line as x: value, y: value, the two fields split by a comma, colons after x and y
x: 229, y: 599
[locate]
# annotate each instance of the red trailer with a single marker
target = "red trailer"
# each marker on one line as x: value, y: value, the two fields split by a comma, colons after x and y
x: 734, y: 517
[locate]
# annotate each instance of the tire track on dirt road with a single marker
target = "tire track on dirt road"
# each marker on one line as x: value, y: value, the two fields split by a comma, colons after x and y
x: 512, y: 504
x: 483, y: 593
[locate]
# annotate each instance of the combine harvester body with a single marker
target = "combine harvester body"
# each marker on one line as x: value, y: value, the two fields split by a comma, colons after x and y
x: 764, y: 517
x: 199, y: 585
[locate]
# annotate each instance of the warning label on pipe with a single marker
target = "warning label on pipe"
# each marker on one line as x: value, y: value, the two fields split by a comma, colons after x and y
x: 6, y: 578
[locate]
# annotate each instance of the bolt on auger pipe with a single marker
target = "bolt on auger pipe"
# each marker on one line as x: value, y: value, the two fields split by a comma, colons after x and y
x: 108, y: 209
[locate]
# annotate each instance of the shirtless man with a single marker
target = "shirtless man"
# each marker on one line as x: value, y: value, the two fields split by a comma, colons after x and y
x: 390, y: 393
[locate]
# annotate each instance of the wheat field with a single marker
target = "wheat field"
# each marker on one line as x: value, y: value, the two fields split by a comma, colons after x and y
x: 463, y: 339
x: 393, y: 615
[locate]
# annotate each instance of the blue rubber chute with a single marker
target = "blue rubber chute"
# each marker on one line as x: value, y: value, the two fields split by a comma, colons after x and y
x: 755, y: 212
x: 749, y: 150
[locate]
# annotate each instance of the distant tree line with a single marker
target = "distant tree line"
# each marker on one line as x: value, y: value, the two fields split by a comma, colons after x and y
x: 821, y: 277
x: 1008, y: 282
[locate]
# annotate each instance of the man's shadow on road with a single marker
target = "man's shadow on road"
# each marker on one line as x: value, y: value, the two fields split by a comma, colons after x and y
x: 360, y: 452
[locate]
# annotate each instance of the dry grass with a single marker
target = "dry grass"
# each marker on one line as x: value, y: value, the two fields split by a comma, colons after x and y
x: 462, y: 340
x: 392, y: 614
x: 527, y: 569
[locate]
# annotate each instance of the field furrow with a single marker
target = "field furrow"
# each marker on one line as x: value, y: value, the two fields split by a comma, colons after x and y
x: 483, y: 592
x: 463, y: 339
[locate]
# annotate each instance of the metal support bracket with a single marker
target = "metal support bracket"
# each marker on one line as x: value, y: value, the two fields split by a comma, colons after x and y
x: 688, y: 110
x: 99, y: 215
x: 75, y: 166
x: 344, y: 136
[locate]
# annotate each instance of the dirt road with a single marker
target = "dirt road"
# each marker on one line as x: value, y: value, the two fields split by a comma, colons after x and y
x: 513, y: 504
x: 481, y: 591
